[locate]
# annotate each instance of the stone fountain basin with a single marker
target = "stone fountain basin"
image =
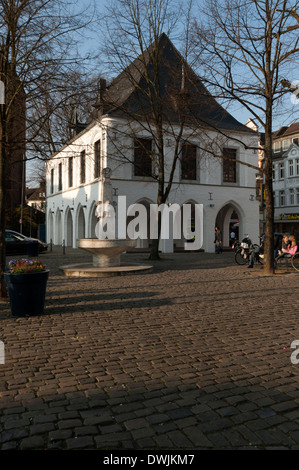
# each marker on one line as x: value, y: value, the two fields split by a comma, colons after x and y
x: 105, y: 259
x: 106, y: 253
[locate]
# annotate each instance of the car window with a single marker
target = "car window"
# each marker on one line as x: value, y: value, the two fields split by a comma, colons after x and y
x: 11, y: 237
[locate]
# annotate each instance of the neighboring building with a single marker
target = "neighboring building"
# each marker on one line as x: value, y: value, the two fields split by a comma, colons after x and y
x: 225, y: 188
x: 36, y: 197
x: 286, y: 179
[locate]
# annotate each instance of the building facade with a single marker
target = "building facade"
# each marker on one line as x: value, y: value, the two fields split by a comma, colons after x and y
x: 286, y: 179
x: 36, y: 197
x: 215, y: 167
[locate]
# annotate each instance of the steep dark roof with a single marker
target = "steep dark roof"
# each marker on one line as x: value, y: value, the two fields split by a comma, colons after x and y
x: 287, y: 131
x: 279, y: 133
x: 181, y: 89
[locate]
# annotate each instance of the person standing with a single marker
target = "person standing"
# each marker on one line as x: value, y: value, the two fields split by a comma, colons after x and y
x: 218, y: 241
x: 232, y: 238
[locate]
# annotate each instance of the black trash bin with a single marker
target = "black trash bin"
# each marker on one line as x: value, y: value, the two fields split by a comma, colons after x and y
x: 32, y: 248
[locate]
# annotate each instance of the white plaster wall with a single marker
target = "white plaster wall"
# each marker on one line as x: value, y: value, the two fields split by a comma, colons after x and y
x: 71, y: 200
x: 287, y: 182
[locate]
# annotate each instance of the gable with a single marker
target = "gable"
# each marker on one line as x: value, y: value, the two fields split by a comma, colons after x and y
x: 180, y: 90
x: 292, y: 152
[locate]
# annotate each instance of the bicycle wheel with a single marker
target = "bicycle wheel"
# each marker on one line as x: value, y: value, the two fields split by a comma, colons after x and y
x: 295, y: 261
x: 240, y: 258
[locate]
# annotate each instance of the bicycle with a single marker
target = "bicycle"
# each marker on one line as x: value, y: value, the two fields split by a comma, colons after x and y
x: 294, y: 260
x: 243, y: 254
x: 236, y: 245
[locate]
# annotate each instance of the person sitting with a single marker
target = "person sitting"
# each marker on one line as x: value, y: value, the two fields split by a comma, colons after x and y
x: 294, y: 247
x: 285, y: 245
x: 257, y: 250
x: 289, y: 249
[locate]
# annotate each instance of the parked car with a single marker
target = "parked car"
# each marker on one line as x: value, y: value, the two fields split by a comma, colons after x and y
x: 18, y: 244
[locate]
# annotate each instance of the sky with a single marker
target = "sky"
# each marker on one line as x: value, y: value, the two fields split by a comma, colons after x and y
x: 241, y: 114
x: 90, y: 41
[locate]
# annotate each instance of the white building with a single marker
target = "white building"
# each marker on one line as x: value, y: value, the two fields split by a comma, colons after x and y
x: 286, y: 179
x: 224, y: 186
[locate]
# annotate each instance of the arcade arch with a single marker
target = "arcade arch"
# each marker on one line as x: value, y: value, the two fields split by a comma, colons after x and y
x: 190, y: 225
x: 92, y: 221
x: 51, y: 227
x: 230, y: 217
x: 68, y: 227
x: 143, y: 242
x: 80, y: 225
x: 58, y: 228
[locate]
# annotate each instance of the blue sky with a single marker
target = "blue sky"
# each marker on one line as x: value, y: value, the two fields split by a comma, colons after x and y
x: 90, y: 44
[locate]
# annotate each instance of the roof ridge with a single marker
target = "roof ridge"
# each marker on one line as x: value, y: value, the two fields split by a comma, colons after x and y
x: 128, y: 92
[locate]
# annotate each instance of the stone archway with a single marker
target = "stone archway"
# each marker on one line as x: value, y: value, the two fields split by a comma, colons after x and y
x: 51, y: 227
x: 69, y: 228
x: 179, y: 243
x: 92, y: 221
x: 58, y: 228
x: 143, y: 242
x: 229, y: 217
x: 80, y: 223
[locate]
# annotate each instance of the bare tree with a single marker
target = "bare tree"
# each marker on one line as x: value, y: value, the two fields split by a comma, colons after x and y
x: 57, y: 115
x: 37, y: 50
x: 136, y: 29
x: 156, y: 93
x: 244, y: 50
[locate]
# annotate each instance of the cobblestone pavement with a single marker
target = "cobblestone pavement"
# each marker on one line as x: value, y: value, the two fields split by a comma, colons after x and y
x: 195, y: 355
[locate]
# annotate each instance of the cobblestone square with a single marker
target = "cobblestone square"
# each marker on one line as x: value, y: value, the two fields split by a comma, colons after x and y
x: 194, y: 355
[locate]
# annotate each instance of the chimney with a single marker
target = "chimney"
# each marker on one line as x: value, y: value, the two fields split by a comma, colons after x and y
x: 102, y: 85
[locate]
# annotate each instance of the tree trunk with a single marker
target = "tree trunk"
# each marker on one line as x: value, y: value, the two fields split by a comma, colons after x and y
x: 269, y: 235
x: 3, y: 288
x: 154, y: 254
